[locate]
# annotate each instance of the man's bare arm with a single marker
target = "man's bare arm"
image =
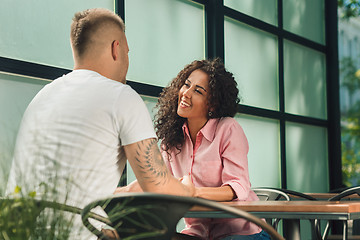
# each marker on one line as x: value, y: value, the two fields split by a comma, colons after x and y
x: 150, y: 170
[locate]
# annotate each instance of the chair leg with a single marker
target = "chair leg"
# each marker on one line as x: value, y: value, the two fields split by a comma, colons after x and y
x: 315, y: 229
x: 350, y: 227
x: 276, y: 223
x: 345, y: 233
x: 326, y: 231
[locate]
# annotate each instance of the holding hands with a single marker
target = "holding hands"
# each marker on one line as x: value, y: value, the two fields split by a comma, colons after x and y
x: 135, y: 186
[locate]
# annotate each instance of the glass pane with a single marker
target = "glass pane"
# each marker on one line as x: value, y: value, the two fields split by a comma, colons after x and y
x: 306, y: 158
x: 130, y: 175
x: 150, y: 104
x: 305, y: 18
x: 265, y: 10
x: 38, y: 31
x: 16, y: 92
x: 163, y: 37
x: 254, y: 62
x: 264, y: 150
x: 305, y: 82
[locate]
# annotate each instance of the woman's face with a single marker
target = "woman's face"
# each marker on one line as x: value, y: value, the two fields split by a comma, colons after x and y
x: 193, y: 97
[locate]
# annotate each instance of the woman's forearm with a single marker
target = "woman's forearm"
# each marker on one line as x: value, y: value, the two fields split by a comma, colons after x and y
x: 220, y: 194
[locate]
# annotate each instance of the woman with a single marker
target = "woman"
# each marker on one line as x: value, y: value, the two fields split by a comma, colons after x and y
x: 201, y: 138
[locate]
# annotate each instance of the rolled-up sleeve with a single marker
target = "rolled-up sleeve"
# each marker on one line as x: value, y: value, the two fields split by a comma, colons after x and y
x: 234, y: 150
x: 166, y: 159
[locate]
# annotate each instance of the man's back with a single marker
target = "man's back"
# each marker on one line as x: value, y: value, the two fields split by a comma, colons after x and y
x: 70, y: 137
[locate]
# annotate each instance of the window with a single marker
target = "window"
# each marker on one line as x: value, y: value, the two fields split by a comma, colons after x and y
x: 282, y: 53
x: 279, y: 52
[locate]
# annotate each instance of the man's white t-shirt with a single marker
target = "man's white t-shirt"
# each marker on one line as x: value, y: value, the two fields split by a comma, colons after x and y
x: 72, y: 134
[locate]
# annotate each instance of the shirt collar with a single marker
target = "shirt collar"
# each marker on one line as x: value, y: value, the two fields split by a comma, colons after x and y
x: 208, y: 131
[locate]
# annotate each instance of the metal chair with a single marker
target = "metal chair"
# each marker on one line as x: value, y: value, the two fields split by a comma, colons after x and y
x: 289, y: 193
x: 155, y: 216
x: 275, y: 194
x: 339, y: 197
x: 270, y: 194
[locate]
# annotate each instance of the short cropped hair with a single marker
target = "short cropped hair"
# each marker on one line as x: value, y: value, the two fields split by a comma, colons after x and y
x: 86, y: 23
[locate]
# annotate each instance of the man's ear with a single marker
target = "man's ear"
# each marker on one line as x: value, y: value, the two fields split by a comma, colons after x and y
x: 114, y: 49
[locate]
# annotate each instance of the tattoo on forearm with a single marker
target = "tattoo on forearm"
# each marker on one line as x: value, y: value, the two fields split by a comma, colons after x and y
x: 150, y: 162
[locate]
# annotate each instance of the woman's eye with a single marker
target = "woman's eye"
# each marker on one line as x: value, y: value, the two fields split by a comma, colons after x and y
x: 198, y: 91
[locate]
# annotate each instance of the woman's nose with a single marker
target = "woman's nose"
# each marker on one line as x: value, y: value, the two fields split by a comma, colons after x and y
x: 187, y: 93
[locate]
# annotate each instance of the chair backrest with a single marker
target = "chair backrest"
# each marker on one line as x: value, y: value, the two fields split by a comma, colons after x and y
x: 339, y: 190
x: 269, y: 194
x: 155, y: 216
x: 290, y: 193
x: 345, y: 193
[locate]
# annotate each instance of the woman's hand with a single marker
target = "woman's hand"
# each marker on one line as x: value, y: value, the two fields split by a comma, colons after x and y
x: 186, y: 180
x: 220, y: 194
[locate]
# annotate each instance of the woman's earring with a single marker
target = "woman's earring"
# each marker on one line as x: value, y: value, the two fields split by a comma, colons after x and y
x: 210, y: 114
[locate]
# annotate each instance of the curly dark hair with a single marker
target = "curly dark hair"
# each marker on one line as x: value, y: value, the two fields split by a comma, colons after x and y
x: 223, y: 100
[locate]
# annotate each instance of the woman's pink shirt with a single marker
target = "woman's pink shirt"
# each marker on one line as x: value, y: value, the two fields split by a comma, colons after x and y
x: 218, y: 158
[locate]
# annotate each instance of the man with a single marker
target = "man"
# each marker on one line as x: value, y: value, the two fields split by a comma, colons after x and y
x: 78, y: 131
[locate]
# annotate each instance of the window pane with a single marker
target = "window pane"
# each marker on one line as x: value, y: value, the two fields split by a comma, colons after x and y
x: 264, y: 150
x: 150, y: 104
x: 38, y: 31
x: 306, y: 158
x: 16, y: 92
x: 305, y: 18
x: 305, y: 82
x: 251, y: 55
x: 265, y: 10
x: 163, y: 37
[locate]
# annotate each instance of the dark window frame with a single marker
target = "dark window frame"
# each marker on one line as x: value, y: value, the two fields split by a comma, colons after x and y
x: 215, y: 11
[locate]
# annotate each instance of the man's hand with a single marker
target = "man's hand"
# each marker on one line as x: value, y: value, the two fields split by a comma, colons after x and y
x: 132, y: 187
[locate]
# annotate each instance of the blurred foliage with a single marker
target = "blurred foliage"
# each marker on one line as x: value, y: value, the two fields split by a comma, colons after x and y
x: 23, y: 217
x: 17, y: 218
x: 350, y: 123
x: 350, y: 8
